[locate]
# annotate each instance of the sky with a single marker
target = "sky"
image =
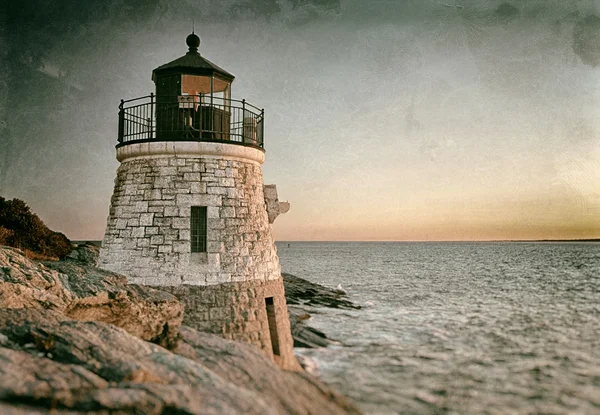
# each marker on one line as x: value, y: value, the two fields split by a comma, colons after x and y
x: 384, y: 120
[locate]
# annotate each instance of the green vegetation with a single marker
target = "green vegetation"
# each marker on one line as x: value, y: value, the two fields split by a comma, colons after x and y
x: 23, y: 229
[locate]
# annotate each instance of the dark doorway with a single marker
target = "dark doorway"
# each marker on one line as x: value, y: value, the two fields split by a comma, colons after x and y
x: 270, y: 305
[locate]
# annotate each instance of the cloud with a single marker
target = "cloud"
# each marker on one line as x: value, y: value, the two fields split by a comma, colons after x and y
x: 586, y: 40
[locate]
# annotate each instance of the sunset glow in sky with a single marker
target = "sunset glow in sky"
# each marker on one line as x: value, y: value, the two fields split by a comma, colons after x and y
x: 408, y: 120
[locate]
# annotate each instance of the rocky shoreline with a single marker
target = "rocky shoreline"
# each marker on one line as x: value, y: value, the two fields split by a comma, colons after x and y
x: 75, y: 339
x: 302, y: 297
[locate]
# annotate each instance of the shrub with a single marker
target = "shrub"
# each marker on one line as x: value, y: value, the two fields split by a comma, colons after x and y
x: 6, y: 236
x: 23, y: 229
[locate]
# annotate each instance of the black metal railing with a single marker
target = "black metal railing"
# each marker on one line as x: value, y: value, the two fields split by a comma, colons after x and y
x: 190, y: 118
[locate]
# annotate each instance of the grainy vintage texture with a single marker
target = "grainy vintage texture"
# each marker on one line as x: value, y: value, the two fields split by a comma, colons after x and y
x: 148, y: 232
x: 80, y: 291
x: 237, y: 311
x: 233, y: 287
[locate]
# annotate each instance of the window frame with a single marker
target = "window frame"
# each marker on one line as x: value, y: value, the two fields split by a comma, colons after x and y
x: 198, y: 229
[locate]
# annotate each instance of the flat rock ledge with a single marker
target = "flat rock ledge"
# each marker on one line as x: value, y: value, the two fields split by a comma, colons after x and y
x: 69, y: 345
x: 80, y: 291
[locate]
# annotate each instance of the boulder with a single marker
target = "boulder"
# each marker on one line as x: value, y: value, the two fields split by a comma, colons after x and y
x: 304, y: 335
x: 85, y: 253
x: 53, y: 364
x: 80, y: 291
x: 301, y: 291
x: 303, y: 297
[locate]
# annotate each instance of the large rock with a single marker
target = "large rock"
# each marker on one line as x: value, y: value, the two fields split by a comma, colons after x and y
x: 52, y: 364
x: 301, y: 291
x: 85, y: 253
x: 82, y: 292
x: 303, y: 334
x: 303, y: 297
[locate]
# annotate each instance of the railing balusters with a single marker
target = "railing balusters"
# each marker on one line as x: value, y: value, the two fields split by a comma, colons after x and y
x: 174, y: 118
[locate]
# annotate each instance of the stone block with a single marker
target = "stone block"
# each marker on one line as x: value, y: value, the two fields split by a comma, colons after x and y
x: 141, y: 206
x: 184, y: 184
x: 241, y: 212
x: 162, y: 203
x: 138, y: 232
x: 187, y: 200
x: 215, y: 224
x: 125, y: 233
x: 181, y: 223
x: 171, y: 211
x: 229, y: 268
x: 157, y: 240
x: 227, y: 212
x: 162, y: 182
x: 165, y: 249
x: 160, y: 162
x: 212, y: 212
x: 130, y: 244
x: 154, y: 194
x: 198, y: 187
x: 143, y: 242
x: 151, y: 230
x: 146, y: 219
x: 121, y: 223
x: 191, y: 177
x: 181, y: 246
x: 215, y: 246
x: 163, y: 222
x: 253, y: 326
x: 219, y: 313
x: 133, y: 222
x: 216, y: 191
x: 209, y: 177
x: 166, y: 171
x: 234, y: 193
x: 227, y: 182
x: 225, y: 277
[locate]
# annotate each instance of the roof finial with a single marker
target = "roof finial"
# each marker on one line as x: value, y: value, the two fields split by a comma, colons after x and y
x: 192, y: 26
x: 193, y: 42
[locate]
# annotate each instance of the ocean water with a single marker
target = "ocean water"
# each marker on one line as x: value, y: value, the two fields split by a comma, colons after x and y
x: 459, y: 327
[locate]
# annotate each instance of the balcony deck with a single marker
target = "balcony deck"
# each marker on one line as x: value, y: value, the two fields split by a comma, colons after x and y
x: 190, y: 118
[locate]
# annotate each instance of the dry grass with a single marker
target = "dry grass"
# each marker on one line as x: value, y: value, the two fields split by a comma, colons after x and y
x: 39, y: 257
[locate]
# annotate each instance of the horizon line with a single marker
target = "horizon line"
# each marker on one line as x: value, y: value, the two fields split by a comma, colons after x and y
x: 410, y: 241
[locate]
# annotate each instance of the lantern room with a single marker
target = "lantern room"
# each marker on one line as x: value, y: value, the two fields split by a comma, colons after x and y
x: 192, y: 103
x: 193, y: 75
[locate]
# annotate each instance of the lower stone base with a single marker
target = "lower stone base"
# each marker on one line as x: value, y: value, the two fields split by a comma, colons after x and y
x: 253, y: 312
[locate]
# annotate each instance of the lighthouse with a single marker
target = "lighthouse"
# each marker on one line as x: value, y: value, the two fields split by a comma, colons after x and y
x: 190, y: 213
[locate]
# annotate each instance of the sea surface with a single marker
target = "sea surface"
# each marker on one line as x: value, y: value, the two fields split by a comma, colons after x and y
x: 459, y: 327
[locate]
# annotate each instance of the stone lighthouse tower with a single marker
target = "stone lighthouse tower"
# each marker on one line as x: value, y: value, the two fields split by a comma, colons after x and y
x: 189, y: 212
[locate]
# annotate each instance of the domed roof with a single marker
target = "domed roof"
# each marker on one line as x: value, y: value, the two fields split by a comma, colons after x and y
x: 192, y: 63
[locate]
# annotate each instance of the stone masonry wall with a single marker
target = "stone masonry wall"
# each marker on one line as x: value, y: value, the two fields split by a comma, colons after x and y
x: 148, y: 231
x: 237, y: 311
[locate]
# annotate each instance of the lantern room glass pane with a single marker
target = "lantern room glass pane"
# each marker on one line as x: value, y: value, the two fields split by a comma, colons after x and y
x: 197, y: 85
